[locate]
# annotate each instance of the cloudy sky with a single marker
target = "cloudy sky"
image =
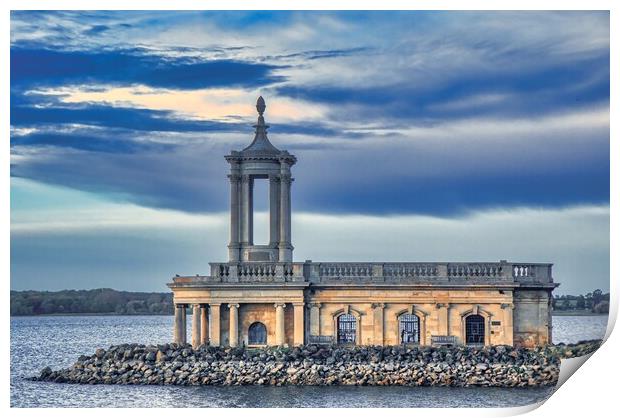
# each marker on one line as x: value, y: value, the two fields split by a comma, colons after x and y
x: 421, y: 136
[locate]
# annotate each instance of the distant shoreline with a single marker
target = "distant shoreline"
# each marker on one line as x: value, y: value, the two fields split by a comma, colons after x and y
x: 555, y: 313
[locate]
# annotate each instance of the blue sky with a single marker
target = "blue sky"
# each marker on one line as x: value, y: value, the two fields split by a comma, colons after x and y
x: 420, y: 136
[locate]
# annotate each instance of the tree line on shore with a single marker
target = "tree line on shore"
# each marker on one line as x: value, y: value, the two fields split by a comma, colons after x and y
x: 596, y: 302
x: 95, y: 301
x: 110, y: 301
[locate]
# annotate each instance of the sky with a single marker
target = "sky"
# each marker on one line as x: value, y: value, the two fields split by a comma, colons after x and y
x: 420, y: 136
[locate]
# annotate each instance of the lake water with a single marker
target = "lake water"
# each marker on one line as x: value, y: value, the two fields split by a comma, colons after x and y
x: 57, y: 341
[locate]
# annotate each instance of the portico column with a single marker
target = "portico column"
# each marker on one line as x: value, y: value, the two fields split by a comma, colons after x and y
x: 233, y: 332
x: 298, y: 323
x: 280, y: 323
x: 196, y: 326
x: 204, y: 325
x: 315, y: 319
x: 179, y: 323
x: 184, y: 325
x: 215, y: 323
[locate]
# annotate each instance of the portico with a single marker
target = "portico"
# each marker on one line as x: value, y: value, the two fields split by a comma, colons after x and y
x: 260, y: 296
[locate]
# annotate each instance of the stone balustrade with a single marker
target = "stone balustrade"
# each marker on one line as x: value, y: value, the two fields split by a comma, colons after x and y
x: 317, y: 272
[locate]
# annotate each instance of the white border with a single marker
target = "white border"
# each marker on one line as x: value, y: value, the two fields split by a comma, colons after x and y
x: 593, y: 389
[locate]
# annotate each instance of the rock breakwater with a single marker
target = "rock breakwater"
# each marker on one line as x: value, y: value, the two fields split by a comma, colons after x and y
x: 173, y: 364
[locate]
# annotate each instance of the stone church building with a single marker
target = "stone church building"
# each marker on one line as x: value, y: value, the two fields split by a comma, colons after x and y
x: 260, y: 296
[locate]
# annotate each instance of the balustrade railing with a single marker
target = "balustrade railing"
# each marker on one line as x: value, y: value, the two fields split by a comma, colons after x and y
x: 410, y: 270
x: 523, y: 270
x: 374, y: 272
x: 345, y: 270
x: 475, y: 270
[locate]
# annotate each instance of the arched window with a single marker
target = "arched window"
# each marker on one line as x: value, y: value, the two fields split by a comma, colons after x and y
x: 257, y: 334
x: 474, y: 330
x: 347, y: 329
x: 409, y: 329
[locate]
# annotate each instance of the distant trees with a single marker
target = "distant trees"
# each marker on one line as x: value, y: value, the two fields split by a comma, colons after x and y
x: 102, y: 301
x: 596, y: 301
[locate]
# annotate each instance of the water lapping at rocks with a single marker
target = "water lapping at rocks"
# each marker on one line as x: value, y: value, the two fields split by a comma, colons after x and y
x: 173, y: 364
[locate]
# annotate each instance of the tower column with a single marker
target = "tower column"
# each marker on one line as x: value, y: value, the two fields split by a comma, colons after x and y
x: 280, y: 323
x: 196, y: 326
x: 204, y: 325
x: 285, y: 247
x: 246, y: 210
x: 233, y: 332
x: 274, y: 210
x: 235, y: 210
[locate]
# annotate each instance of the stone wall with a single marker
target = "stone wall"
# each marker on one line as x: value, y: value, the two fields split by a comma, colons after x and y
x: 532, y: 317
x: 441, y: 312
x: 521, y: 317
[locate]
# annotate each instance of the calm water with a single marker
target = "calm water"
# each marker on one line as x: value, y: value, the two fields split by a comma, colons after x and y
x: 37, y: 342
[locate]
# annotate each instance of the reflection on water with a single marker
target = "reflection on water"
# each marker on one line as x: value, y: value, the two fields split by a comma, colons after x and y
x: 37, y: 342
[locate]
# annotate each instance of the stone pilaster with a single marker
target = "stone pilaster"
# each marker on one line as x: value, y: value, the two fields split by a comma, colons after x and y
x: 280, y: 323
x: 377, y: 322
x: 315, y: 319
x: 508, y: 323
x: 215, y: 324
x: 298, y: 323
x: 196, y: 326
x: 233, y: 332
x: 443, y: 323
x: 204, y: 325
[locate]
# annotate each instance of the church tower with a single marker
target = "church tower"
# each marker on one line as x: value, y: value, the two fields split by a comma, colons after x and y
x: 260, y: 160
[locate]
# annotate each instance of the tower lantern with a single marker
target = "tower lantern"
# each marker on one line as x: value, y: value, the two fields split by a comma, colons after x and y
x: 260, y: 160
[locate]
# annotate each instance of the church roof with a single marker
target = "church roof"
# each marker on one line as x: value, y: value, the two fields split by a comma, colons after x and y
x: 261, y: 144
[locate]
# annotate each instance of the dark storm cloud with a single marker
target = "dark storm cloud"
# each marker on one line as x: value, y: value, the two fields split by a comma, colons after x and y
x: 31, y: 67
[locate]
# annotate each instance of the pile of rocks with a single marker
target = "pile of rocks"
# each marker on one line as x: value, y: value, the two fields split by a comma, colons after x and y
x: 579, y: 349
x: 172, y: 364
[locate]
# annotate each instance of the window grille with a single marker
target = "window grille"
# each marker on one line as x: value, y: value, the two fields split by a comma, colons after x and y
x: 409, y: 329
x: 474, y: 330
x: 347, y: 329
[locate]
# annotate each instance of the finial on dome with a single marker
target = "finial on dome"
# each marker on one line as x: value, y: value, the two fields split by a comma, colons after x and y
x: 260, y: 105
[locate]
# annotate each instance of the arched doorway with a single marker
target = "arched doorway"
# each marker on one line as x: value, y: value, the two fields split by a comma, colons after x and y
x: 257, y: 334
x: 347, y: 329
x: 409, y: 329
x: 474, y: 330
